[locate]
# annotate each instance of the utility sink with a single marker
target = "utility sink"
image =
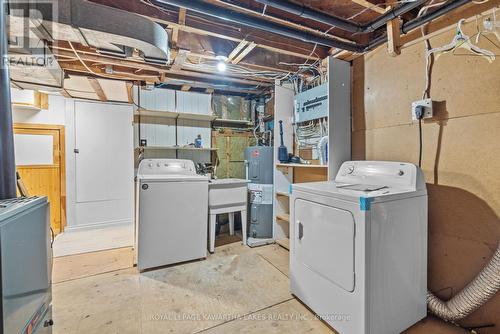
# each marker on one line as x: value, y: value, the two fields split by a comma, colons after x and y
x: 227, y: 193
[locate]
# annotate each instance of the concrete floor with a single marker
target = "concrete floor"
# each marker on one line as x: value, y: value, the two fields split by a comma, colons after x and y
x: 236, y: 290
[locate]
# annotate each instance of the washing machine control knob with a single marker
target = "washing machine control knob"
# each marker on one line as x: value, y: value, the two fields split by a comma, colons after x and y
x: 158, y: 165
x: 150, y: 165
x: 350, y: 169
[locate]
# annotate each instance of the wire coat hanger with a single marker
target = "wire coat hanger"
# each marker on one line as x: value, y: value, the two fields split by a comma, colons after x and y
x: 461, y: 40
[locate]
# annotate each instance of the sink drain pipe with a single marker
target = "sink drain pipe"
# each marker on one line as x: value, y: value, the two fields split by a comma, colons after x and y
x: 472, y: 297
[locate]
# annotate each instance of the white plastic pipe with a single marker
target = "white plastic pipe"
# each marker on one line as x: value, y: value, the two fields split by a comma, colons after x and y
x: 322, y: 150
x: 472, y: 297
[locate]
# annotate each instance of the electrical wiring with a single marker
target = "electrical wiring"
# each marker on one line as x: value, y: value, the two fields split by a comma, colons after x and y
x: 211, y: 66
x: 428, y: 63
x: 106, y: 76
x: 308, y: 134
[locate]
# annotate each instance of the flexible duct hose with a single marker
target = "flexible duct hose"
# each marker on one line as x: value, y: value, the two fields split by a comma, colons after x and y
x: 473, y: 296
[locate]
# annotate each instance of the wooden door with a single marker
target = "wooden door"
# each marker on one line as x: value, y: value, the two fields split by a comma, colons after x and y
x: 40, y: 162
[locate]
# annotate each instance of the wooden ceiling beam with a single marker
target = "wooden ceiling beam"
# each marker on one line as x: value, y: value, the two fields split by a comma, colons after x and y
x: 158, y: 16
x: 244, y: 53
x: 238, y: 40
x: 369, y: 5
x: 96, y: 86
x: 62, y: 45
x: 182, y: 16
x: 185, y: 88
x: 156, y: 78
x: 237, y: 50
x: 175, y: 30
x: 95, y: 58
x: 393, y: 35
x: 79, y: 68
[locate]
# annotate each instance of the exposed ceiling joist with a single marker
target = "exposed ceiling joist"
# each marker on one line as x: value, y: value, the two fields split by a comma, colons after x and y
x: 244, y: 53
x: 185, y: 88
x: 299, y: 49
x: 271, y: 48
x: 182, y: 16
x: 63, y: 46
x: 175, y: 30
x: 237, y: 50
x: 369, y: 5
x: 393, y: 36
x: 96, y: 70
x: 96, y: 86
x: 88, y: 55
x: 230, y: 84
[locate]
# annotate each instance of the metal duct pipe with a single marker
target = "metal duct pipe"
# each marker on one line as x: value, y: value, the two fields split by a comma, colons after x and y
x: 7, y: 163
x: 255, y: 22
x: 419, y: 21
x: 338, y: 22
x: 315, y: 15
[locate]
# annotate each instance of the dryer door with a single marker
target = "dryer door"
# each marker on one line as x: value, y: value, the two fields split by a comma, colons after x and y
x: 324, y: 242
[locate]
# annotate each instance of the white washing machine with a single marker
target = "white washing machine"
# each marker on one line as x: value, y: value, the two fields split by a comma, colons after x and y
x: 171, y: 213
x: 358, y: 255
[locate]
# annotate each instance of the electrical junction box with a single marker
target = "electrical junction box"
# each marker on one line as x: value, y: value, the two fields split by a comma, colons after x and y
x: 427, y: 106
x: 311, y: 104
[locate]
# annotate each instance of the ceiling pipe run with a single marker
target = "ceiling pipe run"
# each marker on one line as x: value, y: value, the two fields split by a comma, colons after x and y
x: 392, y: 14
x: 259, y: 23
x: 415, y: 23
x: 312, y: 14
x: 419, y: 21
x: 338, y: 22
x: 7, y: 162
x: 204, y: 8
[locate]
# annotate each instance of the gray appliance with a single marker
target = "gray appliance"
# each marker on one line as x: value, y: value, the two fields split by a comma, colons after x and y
x: 259, y: 161
x: 26, y: 265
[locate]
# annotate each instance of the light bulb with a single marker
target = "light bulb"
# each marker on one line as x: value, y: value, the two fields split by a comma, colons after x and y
x: 221, y: 66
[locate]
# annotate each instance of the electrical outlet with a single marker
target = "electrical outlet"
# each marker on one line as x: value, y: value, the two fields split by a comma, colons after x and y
x: 427, y: 104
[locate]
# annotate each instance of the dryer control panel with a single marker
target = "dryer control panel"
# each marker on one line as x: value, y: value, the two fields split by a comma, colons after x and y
x: 387, y: 173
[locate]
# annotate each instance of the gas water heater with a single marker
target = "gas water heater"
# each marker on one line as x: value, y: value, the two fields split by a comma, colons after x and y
x: 259, y: 160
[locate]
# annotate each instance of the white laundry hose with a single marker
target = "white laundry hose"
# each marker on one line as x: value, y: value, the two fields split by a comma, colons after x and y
x: 473, y: 296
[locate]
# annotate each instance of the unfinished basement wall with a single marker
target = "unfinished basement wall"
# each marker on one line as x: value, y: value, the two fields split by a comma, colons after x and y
x: 461, y: 157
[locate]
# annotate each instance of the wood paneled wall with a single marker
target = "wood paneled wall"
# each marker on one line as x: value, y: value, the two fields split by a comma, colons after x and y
x: 461, y: 157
